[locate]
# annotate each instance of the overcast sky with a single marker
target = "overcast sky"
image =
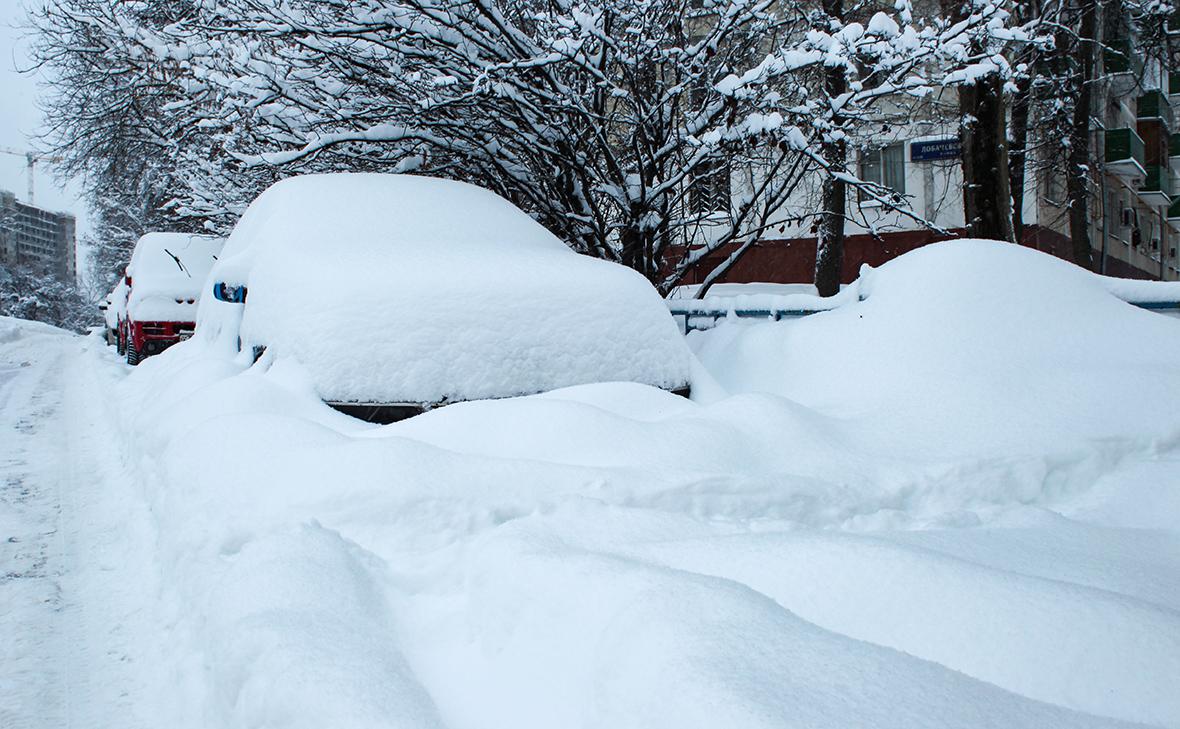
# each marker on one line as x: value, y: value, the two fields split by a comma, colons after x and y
x: 20, y: 119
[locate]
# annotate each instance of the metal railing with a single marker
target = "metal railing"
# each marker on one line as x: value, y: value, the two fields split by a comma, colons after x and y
x: 701, y: 315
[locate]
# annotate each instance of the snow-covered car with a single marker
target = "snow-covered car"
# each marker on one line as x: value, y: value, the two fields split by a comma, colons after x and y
x: 113, y: 307
x: 164, y: 281
x: 398, y: 293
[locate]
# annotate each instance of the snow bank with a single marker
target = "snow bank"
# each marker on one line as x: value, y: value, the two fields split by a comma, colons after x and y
x: 13, y: 329
x: 396, y: 288
x: 966, y: 347
x: 1142, y: 292
x: 167, y: 272
x: 954, y: 540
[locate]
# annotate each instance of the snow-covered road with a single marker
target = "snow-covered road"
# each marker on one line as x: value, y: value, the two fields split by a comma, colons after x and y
x: 76, y: 575
x: 983, y: 535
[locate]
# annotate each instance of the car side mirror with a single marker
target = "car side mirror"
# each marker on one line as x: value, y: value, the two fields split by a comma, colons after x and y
x: 229, y: 294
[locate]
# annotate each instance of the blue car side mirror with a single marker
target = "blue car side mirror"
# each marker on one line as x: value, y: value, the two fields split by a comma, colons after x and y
x: 229, y: 294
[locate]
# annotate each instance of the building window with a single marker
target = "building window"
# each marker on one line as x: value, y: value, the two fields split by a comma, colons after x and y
x: 884, y: 166
x: 710, y: 191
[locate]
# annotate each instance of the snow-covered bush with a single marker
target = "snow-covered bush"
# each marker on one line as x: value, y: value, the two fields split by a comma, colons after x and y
x: 28, y: 294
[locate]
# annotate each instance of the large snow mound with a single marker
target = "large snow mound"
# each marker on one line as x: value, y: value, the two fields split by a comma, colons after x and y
x: 167, y: 272
x: 395, y: 288
x: 955, y: 543
x: 967, y: 343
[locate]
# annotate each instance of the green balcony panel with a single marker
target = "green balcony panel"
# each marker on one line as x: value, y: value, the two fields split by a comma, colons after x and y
x: 1154, y: 105
x: 1119, y: 57
x: 1174, y: 145
x: 1157, y: 182
x: 1174, y: 82
x: 1124, y: 146
x: 1174, y: 210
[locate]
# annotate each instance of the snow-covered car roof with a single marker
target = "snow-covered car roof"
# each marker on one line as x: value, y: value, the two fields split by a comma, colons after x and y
x: 399, y: 288
x: 165, y: 268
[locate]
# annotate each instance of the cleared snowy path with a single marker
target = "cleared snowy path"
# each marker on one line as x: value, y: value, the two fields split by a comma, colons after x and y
x: 74, y: 574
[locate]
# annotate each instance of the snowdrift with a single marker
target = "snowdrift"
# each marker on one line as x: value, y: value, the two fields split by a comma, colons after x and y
x: 956, y: 540
x: 166, y: 267
x: 966, y: 347
x: 397, y: 288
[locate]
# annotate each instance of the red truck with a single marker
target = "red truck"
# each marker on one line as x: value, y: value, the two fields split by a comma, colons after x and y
x: 164, y: 281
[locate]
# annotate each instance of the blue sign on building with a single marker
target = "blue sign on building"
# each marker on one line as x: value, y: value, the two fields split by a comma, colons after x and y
x: 934, y: 149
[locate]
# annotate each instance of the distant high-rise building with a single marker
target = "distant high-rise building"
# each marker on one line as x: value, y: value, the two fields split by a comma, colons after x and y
x: 34, y: 238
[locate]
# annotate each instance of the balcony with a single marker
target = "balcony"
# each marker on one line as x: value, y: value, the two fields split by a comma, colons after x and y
x: 1154, y: 105
x: 1119, y: 57
x: 1174, y: 210
x: 1174, y: 83
x: 1174, y: 152
x: 1157, y: 186
x: 1124, y: 154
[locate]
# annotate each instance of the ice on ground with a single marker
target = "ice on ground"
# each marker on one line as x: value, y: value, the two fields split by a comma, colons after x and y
x: 168, y: 272
x: 399, y: 288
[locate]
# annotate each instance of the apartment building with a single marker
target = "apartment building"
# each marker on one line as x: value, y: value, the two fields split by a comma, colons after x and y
x: 1135, y: 191
x: 34, y: 238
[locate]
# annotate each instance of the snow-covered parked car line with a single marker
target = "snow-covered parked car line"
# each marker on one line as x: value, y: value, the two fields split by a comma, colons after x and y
x: 396, y: 294
x: 114, y: 308
x: 163, y: 283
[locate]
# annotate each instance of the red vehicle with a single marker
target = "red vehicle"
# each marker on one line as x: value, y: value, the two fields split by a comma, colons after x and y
x: 164, y: 281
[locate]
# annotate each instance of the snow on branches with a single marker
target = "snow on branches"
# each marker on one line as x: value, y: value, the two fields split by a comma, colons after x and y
x: 650, y: 132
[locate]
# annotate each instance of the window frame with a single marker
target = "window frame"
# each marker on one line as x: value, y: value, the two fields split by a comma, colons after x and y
x: 889, y: 172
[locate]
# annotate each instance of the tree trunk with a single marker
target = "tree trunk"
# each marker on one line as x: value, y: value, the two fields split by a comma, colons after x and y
x: 983, y: 140
x: 829, y: 245
x: 634, y: 247
x: 829, y: 253
x: 1017, y: 160
x: 1077, y: 181
x: 983, y: 134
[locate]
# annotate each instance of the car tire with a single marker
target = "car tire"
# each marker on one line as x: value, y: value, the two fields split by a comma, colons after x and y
x: 120, y: 343
x: 132, y: 355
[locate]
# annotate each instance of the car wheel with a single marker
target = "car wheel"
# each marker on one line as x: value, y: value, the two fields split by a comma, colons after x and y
x: 132, y: 355
x: 120, y: 343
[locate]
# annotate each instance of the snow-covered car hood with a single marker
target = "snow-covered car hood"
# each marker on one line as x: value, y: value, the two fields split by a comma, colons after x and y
x: 396, y: 288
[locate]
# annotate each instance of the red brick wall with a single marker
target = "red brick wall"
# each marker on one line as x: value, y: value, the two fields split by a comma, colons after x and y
x: 793, y: 260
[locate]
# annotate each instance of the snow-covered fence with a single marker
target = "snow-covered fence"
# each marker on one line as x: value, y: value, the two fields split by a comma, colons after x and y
x: 700, y: 314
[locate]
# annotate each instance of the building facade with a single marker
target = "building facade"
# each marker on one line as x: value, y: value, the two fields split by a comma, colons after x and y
x: 37, y: 239
x: 1134, y: 205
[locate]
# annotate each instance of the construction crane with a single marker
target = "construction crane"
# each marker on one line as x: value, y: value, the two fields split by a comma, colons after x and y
x: 31, y: 159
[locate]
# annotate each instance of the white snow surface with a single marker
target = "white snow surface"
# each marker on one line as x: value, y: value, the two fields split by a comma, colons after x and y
x: 964, y: 346
x: 400, y: 288
x: 959, y: 514
x: 1143, y: 292
x: 165, y: 267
